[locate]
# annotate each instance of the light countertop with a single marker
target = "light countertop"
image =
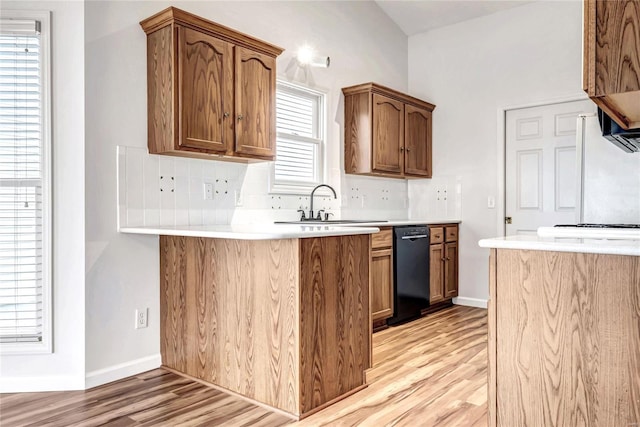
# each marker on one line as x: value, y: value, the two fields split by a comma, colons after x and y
x: 276, y: 231
x: 401, y: 222
x: 590, y: 233
x: 392, y: 222
x: 565, y: 244
x: 252, y: 232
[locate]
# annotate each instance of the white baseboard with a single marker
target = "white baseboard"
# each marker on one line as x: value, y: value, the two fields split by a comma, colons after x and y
x: 122, y: 370
x: 37, y: 384
x: 470, y: 302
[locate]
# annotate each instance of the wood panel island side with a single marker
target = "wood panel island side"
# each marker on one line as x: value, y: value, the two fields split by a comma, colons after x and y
x: 284, y: 322
x: 564, y: 332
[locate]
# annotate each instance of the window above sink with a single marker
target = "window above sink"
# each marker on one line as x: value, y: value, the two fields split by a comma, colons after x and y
x: 300, y: 139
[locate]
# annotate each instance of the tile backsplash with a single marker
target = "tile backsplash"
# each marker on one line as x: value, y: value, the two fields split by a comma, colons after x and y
x: 158, y: 190
x: 439, y: 197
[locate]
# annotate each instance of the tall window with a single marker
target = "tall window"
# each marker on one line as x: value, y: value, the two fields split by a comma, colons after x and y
x: 24, y: 185
x: 300, y: 138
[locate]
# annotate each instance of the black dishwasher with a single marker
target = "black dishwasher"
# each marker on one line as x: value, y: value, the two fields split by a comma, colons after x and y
x: 410, y: 272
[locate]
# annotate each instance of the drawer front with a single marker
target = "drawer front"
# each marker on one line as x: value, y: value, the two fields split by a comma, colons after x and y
x: 451, y: 234
x: 383, y: 239
x: 437, y: 234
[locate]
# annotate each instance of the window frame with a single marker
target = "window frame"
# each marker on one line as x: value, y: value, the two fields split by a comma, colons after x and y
x: 46, y: 345
x: 303, y: 188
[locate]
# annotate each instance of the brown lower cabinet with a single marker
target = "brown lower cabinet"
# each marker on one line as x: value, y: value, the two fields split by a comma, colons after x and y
x: 282, y: 322
x: 443, y: 280
x: 381, y: 276
x: 563, y: 339
x: 443, y: 258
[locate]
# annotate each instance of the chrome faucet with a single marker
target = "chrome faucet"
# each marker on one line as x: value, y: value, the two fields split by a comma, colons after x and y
x: 335, y: 196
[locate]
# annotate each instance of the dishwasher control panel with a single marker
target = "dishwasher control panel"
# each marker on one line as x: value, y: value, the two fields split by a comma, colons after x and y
x: 411, y: 232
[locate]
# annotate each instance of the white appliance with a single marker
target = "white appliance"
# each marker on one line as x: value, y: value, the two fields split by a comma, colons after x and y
x: 609, y: 190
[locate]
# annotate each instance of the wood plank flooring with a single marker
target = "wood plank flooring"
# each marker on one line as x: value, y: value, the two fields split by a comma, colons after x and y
x: 430, y: 372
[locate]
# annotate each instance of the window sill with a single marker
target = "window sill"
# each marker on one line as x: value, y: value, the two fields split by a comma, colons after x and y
x: 24, y: 348
x: 292, y: 190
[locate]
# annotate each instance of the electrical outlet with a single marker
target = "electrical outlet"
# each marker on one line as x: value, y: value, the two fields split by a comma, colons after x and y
x: 208, y: 191
x: 142, y: 318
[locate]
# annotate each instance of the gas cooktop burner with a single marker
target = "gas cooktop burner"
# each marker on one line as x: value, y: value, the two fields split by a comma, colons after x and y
x: 599, y: 225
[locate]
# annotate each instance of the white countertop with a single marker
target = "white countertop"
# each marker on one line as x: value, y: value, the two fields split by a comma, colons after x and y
x: 590, y: 233
x: 401, y: 222
x: 276, y: 231
x: 565, y: 244
x: 253, y: 232
x: 392, y: 222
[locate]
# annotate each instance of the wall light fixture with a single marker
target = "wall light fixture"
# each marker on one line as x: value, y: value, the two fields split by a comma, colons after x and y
x: 308, y: 57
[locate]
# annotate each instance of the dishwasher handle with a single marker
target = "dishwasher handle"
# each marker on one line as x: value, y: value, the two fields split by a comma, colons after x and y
x: 416, y: 237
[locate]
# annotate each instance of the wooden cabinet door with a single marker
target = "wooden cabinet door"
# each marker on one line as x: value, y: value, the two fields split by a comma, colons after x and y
x: 616, y: 43
x: 417, y: 141
x: 436, y: 273
x: 611, y: 69
x: 451, y: 270
x: 388, y: 135
x: 381, y: 284
x: 255, y: 103
x: 205, y: 91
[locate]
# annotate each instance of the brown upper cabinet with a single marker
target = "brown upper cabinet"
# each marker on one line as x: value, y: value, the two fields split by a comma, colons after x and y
x: 211, y: 90
x: 611, y: 69
x: 387, y: 133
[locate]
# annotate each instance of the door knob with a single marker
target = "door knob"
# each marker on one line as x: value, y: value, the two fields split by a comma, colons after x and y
x: 508, y: 220
x: 226, y: 114
x: 240, y: 117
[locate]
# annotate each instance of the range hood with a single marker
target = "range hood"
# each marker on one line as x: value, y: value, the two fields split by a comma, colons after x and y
x: 626, y: 139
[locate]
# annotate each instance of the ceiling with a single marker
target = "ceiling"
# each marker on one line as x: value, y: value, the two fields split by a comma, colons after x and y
x: 419, y: 16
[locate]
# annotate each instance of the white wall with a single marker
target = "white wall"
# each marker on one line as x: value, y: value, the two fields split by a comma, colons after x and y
x: 122, y: 270
x: 64, y: 369
x: 470, y: 70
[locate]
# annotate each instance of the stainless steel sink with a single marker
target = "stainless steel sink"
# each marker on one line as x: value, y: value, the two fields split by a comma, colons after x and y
x: 329, y: 221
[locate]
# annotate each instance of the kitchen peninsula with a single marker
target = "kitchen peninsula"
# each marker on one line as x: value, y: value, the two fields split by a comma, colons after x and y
x: 276, y: 313
x: 564, y: 331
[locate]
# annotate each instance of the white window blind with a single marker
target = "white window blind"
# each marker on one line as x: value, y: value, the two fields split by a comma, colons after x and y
x: 300, y: 133
x: 21, y: 182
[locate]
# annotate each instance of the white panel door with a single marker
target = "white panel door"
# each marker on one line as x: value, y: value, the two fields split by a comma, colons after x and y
x: 540, y: 169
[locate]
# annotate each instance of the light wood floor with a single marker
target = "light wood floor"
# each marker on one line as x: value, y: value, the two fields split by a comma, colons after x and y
x: 430, y: 372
